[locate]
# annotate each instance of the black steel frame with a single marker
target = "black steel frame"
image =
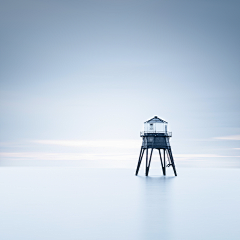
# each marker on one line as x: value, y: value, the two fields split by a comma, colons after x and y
x: 162, y: 160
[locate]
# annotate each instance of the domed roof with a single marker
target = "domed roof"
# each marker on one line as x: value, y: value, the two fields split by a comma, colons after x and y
x: 156, y: 119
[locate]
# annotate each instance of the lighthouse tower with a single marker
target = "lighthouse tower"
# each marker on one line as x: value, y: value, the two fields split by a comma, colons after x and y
x: 156, y: 136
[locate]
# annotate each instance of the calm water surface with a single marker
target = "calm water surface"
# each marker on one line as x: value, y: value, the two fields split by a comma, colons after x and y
x: 66, y: 203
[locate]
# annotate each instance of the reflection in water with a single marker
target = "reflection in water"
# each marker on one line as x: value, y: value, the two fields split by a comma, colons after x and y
x: 157, y: 207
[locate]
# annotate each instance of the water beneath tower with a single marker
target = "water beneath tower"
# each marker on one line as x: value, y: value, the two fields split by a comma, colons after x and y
x: 76, y: 203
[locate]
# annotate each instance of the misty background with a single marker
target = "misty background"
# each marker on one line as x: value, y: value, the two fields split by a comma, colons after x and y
x: 79, y: 78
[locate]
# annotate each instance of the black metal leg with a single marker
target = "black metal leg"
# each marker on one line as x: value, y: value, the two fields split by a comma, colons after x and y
x: 146, y: 162
x: 172, y: 161
x: 161, y: 160
x: 164, y: 162
x: 139, y: 160
x: 150, y: 158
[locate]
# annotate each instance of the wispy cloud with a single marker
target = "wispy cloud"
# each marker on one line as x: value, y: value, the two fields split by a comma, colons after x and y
x: 201, y: 156
x: 92, y: 143
x: 232, y: 137
x: 97, y: 156
x: 64, y: 156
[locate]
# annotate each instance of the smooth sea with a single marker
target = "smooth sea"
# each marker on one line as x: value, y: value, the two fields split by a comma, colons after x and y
x: 74, y: 203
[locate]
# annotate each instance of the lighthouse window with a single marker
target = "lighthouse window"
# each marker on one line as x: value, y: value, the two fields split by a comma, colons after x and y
x: 151, y: 126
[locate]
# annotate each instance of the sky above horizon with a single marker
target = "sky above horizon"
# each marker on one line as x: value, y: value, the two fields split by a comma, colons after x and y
x: 85, y: 71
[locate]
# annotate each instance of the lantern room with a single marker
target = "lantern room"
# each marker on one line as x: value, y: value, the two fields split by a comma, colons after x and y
x: 155, y: 125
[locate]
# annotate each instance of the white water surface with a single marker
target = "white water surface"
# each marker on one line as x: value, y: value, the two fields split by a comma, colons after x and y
x: 73, y: 203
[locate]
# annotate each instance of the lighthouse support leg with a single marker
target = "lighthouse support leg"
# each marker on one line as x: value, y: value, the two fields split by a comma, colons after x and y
x: 164, y: 161
x: 150, y: 158
x: 172, y: 161
x: 161, y: 160
x: 140, y: 160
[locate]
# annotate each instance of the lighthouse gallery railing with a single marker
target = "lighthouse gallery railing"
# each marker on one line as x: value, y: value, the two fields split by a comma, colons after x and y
x: 162, y: 133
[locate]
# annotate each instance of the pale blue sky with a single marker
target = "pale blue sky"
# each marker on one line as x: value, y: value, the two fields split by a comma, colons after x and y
x: 97, y: 69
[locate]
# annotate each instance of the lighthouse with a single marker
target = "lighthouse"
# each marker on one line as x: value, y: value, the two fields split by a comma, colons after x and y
x: 156, y: 136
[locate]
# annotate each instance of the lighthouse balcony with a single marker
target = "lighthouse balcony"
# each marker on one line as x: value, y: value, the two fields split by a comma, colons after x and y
x: 155, y: 133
